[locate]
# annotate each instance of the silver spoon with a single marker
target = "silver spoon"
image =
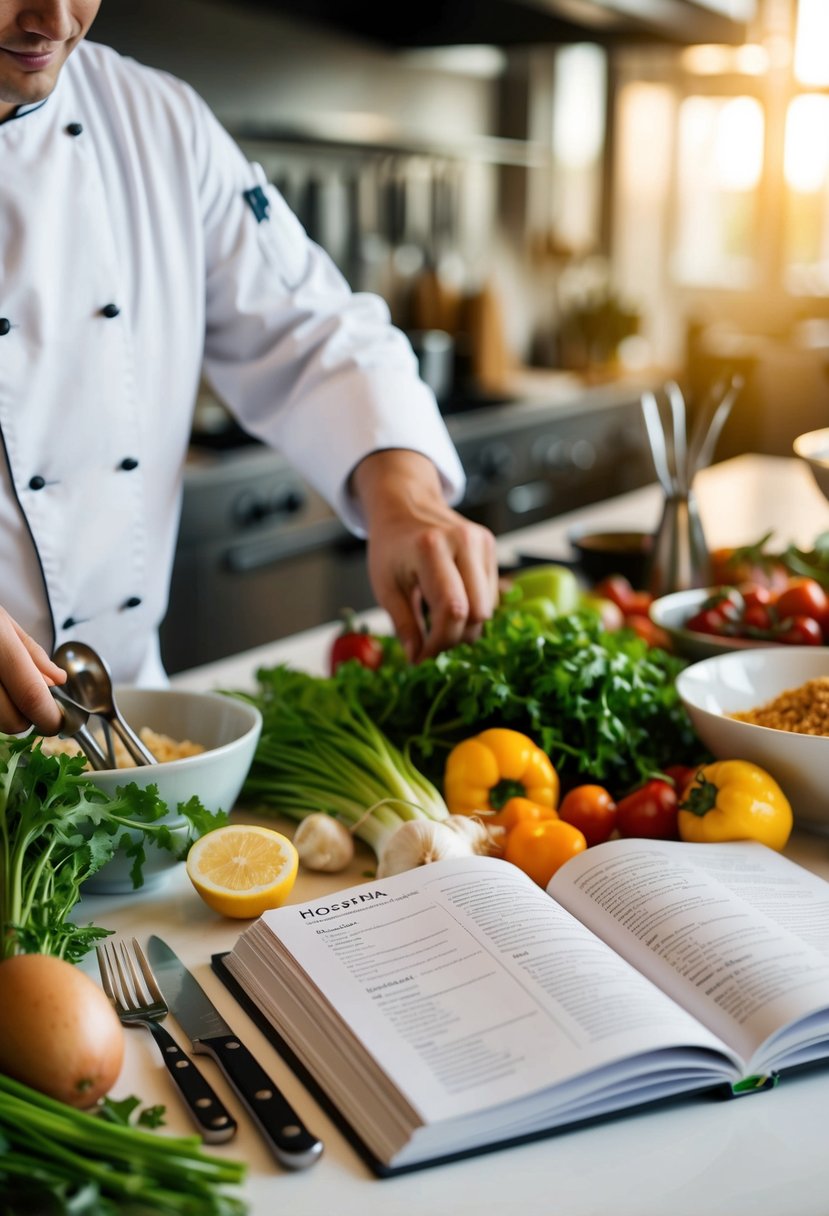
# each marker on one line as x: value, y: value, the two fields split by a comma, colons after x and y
x: 90, y: 684
x: 74, y: 725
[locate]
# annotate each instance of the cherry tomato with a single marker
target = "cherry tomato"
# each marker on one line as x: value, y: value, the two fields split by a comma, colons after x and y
x: 753, y: 595
x: 639, y: 603
x: 645, y: 628
x: 539, y: 848
x: 707, y: 620
x: 748, y: 565
x: 356, y: 644
x: 591, y: 809
x: 616, y: 588
x: 650, y: 811
x: 803, y: 597
x: 800, y: 631
x: 758, y: 617
x: 681, y: 775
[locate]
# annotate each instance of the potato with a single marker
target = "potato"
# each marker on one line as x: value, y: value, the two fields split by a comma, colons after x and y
x: 58, y: 1032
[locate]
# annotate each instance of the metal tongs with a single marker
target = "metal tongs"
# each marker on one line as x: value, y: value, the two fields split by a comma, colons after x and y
x: 680, y: 557
x: 88, y: 691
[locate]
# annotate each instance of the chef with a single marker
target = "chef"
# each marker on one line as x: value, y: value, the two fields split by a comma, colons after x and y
x: 139, y: 248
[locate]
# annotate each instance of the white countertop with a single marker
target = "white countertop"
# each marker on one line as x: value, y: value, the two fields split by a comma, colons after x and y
x: 764, y: 1154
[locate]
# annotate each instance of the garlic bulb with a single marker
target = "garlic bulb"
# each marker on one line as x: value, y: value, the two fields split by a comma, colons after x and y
x: 418, y: 842
x: 323, y: 843
x: 482, y: 839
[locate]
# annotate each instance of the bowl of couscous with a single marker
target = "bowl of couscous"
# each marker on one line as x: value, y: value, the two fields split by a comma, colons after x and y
x: 204, y: 743
x: 769, y: 706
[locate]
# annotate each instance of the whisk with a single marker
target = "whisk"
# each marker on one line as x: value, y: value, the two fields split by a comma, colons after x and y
x: 680, y: 557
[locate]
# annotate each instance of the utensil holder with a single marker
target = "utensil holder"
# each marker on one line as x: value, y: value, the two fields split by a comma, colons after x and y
x: 680, y: 558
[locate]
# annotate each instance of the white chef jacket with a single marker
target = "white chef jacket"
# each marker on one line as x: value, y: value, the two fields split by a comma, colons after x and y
x: 138, y: 247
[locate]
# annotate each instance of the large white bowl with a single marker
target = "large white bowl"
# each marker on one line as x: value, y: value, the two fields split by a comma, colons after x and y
x: 744, y: 680
x: 813, y: 447
x: 227, y: 728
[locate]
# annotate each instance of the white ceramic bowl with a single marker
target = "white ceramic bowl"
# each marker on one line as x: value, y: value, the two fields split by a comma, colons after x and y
x: 813, y: 447
x: 743, y: 680
x: 671, y: 612
x: 227, y: 728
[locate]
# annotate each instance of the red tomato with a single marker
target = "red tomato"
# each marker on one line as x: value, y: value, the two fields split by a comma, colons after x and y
x: 639, y: 603
x: 650, y: 811
x: 803, y: 597
x: 591, y: 809
x: 748, y: 566
x: 758, y: 616
x: 616, y: 588
x: 707, y: 620
x: 648, y: 631
x: 800, y: 631
x: 752, y: 594
x: 356, y: 644
x: 681, y: 775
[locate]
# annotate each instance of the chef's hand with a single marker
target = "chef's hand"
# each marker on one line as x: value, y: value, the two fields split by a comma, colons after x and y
x: 423, y: 557
x: 26, y: 674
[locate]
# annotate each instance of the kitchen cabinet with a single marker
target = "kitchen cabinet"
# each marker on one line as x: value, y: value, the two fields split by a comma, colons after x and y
x: 522, y: 22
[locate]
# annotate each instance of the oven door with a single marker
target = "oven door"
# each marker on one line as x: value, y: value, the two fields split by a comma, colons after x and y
x: 260, y: 556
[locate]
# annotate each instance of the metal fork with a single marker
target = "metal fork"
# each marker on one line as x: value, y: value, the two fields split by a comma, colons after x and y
x: 129, y: 983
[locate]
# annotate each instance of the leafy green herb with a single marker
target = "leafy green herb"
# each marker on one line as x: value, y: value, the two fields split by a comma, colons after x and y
x: 603, y: 705
x: 58, y: 1160
x: 810, y: 563
x: 121, y: 1110
x: 57, y: 829
x: 320, y: 751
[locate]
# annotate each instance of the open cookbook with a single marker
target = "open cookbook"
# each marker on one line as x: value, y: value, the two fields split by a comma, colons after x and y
x: 458, y: 1007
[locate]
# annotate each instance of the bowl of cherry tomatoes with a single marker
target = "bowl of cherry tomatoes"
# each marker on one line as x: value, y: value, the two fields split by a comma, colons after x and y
x: 713, y: 620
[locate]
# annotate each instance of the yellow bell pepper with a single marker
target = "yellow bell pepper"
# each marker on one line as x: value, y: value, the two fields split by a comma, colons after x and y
x: 735, y: 800
x: 483, y: 773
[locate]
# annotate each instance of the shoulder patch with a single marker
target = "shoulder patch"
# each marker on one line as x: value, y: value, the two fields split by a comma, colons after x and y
x: 257, y: 200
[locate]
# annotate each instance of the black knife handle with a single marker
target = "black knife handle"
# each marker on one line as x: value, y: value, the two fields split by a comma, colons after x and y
x: 212, y: 1119
x: 291, y: 1143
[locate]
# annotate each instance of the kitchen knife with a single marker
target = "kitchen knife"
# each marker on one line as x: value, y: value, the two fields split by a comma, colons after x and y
x: 292, y: 1144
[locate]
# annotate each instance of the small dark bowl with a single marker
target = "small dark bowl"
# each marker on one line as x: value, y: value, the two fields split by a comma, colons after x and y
x: 605, y: 551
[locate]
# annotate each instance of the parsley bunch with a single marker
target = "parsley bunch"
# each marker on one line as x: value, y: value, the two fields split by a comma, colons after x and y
x: 602, y: 705
x: 57, y: 829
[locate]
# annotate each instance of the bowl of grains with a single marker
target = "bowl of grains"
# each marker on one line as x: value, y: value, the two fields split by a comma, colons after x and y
x: 204, y: 743
x: 769, y: 706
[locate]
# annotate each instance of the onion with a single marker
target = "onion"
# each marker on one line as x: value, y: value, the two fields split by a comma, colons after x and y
x: 58, y: 1032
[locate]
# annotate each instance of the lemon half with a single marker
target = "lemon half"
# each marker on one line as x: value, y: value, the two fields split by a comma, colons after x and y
x: 242, y: 870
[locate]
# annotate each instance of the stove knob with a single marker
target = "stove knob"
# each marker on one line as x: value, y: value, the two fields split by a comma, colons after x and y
x: 287, y: 502
x: 494, y: 461
x: 583, y: 454
x: 552, y: 454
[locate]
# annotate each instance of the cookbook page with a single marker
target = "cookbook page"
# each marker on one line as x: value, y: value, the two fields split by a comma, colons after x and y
x: 471, y: 987
x: 736, y: 933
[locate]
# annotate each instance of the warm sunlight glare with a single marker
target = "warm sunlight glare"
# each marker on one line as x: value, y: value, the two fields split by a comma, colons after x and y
x: 646, y: 117
x: 806, y: 163
x: 738, y: 151
x: 579, y: 105
x: 811, y: 60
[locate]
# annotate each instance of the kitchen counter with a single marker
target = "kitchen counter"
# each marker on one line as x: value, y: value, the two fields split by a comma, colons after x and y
x: 763, y: 1156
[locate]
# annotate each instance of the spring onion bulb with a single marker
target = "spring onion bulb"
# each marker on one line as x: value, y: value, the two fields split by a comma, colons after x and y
x: 320, y: 752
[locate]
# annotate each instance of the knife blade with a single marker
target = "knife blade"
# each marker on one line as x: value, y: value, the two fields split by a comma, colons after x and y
x: 292, y: 1144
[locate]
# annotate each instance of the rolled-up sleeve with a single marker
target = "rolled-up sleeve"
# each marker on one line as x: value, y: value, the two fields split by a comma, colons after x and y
x: 305, y: 364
